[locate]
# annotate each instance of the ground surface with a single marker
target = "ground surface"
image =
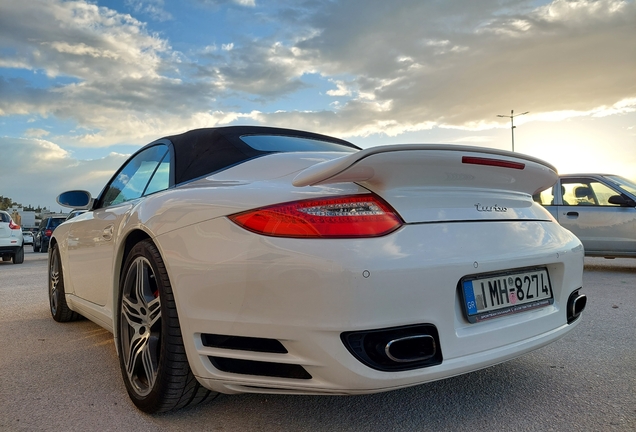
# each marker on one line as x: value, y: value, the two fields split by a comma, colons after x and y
x: 65, y: 377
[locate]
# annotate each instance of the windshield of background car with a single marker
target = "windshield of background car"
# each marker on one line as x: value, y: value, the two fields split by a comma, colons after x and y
x: 282, y: 143
x: 624, y: 184
x: 55, y: 222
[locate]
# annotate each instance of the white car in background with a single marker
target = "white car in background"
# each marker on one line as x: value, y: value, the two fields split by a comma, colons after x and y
x: 262, y: 260
x: 11, y: 240
x: 28, y: 237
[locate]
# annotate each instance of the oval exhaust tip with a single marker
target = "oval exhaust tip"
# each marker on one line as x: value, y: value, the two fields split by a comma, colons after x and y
x: 579, y: 304
x: 411, y: 348
x: 576, y: 305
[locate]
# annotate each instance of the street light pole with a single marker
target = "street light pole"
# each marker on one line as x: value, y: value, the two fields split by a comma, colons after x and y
x: 512, y: 125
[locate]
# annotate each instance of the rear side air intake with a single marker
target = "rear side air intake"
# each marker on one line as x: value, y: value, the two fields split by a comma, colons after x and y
x: 247, y: 366
x: 243, y: 343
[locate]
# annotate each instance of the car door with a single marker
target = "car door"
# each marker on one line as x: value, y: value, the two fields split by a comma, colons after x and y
x: 603, y: 228
x: 93, y: 238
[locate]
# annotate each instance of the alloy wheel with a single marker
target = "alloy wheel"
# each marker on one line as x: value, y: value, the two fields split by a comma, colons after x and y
x: 54, y: 275
x: 140, y: 324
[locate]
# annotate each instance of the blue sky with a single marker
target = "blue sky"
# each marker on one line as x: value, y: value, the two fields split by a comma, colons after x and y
x: 85, y: 83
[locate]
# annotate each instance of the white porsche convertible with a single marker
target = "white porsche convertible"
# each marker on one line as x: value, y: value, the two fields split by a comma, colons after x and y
x: 256, y: 259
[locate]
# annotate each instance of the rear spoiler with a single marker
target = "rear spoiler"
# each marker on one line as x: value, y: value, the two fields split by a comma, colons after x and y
x: 421, y: 165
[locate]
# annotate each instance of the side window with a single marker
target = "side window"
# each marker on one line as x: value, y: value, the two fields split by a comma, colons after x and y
x: 603, y: 193
x: 130, y: 183
x: 545, y: 197
x: 161, y: 178
x: 587, y: 192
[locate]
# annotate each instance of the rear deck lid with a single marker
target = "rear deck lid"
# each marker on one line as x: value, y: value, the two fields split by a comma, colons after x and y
x: 432, y: 183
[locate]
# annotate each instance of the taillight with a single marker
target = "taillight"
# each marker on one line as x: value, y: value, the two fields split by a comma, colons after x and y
x: 342, y: 217
x: 48, y: 232
x: 13, y: 226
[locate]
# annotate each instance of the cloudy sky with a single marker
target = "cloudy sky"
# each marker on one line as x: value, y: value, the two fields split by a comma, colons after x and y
x: 83, y: 83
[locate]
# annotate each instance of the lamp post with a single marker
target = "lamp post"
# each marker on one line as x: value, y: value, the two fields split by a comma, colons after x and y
x: 512, y: 125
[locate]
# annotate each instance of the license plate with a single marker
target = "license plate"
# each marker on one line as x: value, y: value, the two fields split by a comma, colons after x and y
x: 491, y: 296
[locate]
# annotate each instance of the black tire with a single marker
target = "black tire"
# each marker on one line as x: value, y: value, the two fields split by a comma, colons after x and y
x: 57, y: 300
x: 6, y: 258
x: 152, y: 357
x: 44, y: 247
x: 35, y: 248
x: 18, y: 257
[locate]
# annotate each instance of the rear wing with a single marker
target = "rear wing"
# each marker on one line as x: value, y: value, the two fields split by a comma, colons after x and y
x: 436, y: 166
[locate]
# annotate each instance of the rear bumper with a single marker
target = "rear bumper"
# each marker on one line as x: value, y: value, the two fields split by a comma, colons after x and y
x: 9, y: 249
x: 306, y: 293
x: 365, y: 382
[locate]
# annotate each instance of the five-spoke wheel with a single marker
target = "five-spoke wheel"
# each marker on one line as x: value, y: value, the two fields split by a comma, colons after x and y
x: 140, y: 325
x: 151, y: 353
x: 57, y: 299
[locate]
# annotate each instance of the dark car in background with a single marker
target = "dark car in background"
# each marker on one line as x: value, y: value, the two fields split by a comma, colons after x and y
x: 43, y: 234
x: 600, y: 209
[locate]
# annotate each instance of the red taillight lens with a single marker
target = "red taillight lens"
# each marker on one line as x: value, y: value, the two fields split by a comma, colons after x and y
x: 48, y: 232
x: 342, y: 217
x: 492, y: 162
x: 13, y: 226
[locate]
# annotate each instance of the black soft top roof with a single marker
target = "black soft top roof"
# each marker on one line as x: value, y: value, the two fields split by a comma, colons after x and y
x: 200, y: 152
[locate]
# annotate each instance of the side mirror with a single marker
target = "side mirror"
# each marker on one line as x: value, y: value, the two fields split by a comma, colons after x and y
x: 78, y: 199
x: 622, y: 201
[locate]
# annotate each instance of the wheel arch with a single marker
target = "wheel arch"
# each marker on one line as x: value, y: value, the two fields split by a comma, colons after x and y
x: 52, y: 242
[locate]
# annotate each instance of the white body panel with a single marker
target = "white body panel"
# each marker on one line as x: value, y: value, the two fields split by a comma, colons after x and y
x: 307, y: 294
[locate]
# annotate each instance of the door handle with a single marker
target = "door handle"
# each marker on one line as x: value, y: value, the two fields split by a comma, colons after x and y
x: 107, y: 234
x: 574, y: 214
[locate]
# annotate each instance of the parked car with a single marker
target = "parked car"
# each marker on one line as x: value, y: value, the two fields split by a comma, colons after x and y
x: 600, y: 209
x: 11, y: 239
x: 28, y: 237
x: 44, y: 232
x: 255, y: 259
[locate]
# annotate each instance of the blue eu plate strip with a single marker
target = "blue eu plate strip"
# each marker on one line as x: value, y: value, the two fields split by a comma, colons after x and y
x: 469, y: 298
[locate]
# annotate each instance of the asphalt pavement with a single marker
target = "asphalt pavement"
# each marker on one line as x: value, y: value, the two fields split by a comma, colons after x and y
x: 65, y: 377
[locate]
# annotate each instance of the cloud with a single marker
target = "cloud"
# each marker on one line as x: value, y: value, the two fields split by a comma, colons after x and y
x: 459, y: 63
x: 36, y: 133
x: 35, y: 171
x: 397, y: 67
x: 104, y: 71
x: 153, y: 8
x: 78, y: 39
x: 248, y: 3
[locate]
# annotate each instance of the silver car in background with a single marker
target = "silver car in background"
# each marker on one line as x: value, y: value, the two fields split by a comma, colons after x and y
x: 600, y: 209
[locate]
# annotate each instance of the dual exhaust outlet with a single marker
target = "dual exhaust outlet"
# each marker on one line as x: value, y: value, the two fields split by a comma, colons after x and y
x: 417, y: 346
